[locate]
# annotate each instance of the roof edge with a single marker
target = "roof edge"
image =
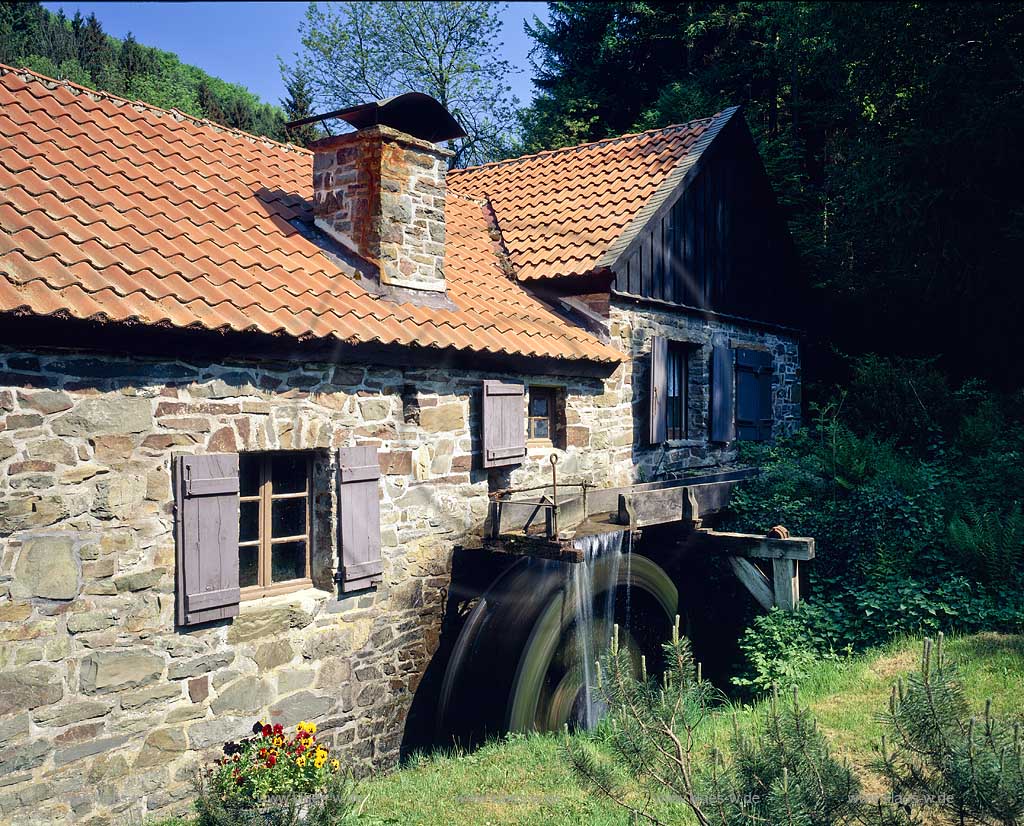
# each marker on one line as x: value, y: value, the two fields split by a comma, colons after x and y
x: 665, y: 194
x: 140, y: 105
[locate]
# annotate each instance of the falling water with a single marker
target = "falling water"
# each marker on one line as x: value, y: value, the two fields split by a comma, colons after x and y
x: 594, y: 633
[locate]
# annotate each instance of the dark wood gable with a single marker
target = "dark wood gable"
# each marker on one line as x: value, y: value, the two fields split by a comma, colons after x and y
x: 718, y: 241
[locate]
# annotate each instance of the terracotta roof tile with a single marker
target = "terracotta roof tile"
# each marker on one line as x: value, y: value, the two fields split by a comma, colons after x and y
x: 119, y: 211
x: 560, y: 211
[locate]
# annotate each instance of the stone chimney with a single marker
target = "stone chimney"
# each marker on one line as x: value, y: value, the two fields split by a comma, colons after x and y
x: 380, y: 192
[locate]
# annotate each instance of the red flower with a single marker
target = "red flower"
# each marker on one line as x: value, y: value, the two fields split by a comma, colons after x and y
x: 268, y: 731
x: 301, y: 748
x: 240, y: 780
x: 271, y: 760
x: 278, y: 728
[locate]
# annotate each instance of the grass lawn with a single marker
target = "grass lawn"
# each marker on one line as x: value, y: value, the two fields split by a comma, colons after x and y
x: 526, y: 780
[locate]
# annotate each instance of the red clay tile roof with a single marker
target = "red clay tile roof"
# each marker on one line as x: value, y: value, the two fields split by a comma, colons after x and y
x: 119, y: 211
x: 561, y: 211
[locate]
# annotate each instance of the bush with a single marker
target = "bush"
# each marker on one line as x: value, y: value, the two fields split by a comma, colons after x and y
x: 912, y: 492
x: 780, y: 649
x: 937, y: 756
x: 781, y: 771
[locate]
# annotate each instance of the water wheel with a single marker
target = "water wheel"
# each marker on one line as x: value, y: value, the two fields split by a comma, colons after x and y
x: 519, y: 663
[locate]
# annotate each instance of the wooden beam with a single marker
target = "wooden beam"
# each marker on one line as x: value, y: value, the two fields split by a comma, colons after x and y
x: 681, y: 503
x: 754, y: 546
x: 759, y: 586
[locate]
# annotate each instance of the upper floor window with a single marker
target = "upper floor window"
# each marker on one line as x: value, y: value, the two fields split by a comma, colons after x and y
x: 540, y: 421
x: 675, y: 395
x: 274, y: 522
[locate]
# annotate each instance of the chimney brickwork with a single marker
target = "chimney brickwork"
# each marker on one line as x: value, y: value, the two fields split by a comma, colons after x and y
x: 381, y: 193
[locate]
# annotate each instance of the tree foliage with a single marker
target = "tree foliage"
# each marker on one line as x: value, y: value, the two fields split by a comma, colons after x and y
x: 80, y: 51
x: 888, y: 129
x: 353, y: 52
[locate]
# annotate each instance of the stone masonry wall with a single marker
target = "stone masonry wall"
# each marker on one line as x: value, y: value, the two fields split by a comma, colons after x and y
x: 104, y: 706
x: 632, y: 327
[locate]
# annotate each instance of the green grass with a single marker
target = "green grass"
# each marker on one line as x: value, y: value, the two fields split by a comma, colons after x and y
x: 525, y: 780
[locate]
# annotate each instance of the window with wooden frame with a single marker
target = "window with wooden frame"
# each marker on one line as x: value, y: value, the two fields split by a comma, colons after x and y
x: 675, y: 395
x: 274, y: 523
x: 541, y: 423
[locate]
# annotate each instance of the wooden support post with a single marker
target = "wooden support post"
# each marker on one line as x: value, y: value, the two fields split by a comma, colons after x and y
x: 786, y: 583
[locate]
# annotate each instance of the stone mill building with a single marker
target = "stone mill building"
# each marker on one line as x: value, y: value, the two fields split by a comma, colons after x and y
x: 254, y: 397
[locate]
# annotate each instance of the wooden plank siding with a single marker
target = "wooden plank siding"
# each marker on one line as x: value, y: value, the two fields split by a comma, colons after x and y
x: 722, y: 245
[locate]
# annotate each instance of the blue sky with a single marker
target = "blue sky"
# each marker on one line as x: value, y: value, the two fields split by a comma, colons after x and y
x: 240, y: 42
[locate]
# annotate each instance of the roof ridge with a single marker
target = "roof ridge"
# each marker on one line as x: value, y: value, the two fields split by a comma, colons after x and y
x: 177, y: 114
x: 574, y: 147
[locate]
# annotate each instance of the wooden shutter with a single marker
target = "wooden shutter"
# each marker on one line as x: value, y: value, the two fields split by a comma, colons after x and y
x: 658, y: 391
x: 723, y: 427
x: 754, y: 416
x: 503, y: 423
x: 206, y: 533
x: 359, y: 517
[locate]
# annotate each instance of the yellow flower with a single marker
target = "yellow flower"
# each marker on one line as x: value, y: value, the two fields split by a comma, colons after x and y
x: 311, y: 728
x: 278, y: 740
x: 300, y: 761
x: 335, y: 765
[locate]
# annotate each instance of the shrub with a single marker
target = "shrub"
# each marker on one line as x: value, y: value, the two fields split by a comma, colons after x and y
x: 937, y: 756
x: 275, y: 779
x: 781, y: 771
x: 780, y: 649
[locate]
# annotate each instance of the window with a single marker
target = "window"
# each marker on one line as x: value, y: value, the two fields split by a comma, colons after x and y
x: 540, y: 421
x: 675, y: 396
x: 274, y: 519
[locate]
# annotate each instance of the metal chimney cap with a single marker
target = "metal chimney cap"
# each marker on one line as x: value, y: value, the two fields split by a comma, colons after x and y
x: 413, y: 113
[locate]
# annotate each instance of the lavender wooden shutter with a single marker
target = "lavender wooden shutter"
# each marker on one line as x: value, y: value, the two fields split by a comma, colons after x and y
x: 658, y: 391
x: 504, y: 423
x: 723, y: 427
x: 754, y: 415
x: 359, y: 517
x: 206, y: 533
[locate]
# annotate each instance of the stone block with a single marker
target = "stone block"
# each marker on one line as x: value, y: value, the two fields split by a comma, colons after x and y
x: 23, y: 757
x: 105, y: 671
x: 444, y: 418
x: 161, y: 747
x: 200, y: 665
x: 395, y: 463
x: 151, y: 696
x: 199, y: 689
x: 105, y: 415
x: 29, y: 688
x: 88, y: 749
x: 89, y: 621
x: 113, y: 449
x: 71, y: 713
x: 45, y: 401
x: 139, y: 580
x: 23, y: 421
x: 215, y: 732
x: 305, y: 705
x: 48, y: 567
x: 272, y: 654
x: 268, y: 622
x: 119, y: 496
x: 245, y: 694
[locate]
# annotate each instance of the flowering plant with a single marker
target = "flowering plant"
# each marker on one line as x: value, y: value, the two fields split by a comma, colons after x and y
x: 272, y: 763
